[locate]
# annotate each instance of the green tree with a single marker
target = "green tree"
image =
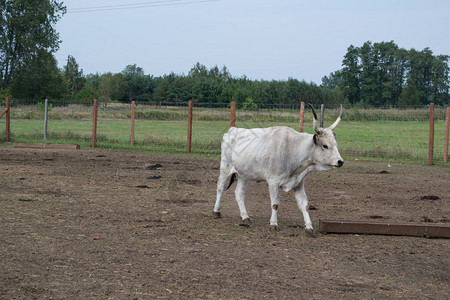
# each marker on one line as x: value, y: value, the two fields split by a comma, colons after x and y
x: 86, y: 95
x: 112, y: 87
x: 410, y: 94
x: 199, y: 70
x: 90, y: 89
x: 368, y: 73
x: 173, y: 88
x: 93, y: 81
x: 332, y: 81
x: 139, y: 86
x: 398, y: 73
x: 208, y: 85
x: 39, y: 79
x: 217, y: 86
x: 420, y: 70
x: 385, y: 90
x: 26, y: 30
x: 350, y: 84
x: 375, y: 74
x: 73, y: 77
x: 249, y: 104
x: 440, y: 80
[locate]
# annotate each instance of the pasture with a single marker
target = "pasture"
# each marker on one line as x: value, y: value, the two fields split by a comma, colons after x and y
x: 382, y: 134
x: 98, y: 224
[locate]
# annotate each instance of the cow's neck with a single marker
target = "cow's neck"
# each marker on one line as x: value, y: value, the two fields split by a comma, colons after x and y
x: 302, y: 166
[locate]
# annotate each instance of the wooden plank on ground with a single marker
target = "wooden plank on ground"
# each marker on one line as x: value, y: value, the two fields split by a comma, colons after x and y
x: 369, y: 227
x: 4, y: 112
x: 46, y: 146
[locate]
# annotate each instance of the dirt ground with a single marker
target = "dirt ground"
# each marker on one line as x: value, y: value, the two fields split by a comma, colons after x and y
x: 89, y: 224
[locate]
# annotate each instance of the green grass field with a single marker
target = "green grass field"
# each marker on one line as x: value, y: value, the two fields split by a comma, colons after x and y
x: 385, y: 140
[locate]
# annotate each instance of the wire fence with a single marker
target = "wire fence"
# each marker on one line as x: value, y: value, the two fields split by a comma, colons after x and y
x: 379, y: 133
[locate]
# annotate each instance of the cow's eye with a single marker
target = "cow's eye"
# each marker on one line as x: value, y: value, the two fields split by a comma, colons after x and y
x: 325, y: 146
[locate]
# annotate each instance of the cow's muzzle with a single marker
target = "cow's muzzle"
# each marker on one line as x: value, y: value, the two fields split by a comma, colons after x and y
x: 340, y: 163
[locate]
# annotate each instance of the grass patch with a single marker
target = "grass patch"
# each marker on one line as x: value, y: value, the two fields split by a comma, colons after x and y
x: 387, y: 136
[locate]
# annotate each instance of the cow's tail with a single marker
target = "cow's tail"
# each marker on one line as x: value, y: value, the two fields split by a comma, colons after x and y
x: 232, y: 179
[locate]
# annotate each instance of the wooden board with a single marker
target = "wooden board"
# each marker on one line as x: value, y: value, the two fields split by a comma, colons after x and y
x: 46, y: 146
x: 368, y: 227
x: 4, y: 112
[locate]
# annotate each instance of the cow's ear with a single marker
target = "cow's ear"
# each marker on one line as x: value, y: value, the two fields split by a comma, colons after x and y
x: 316, y: 139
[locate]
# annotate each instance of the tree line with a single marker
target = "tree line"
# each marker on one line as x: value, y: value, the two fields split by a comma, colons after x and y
x: 204, y: 86
x: 384, y: 74
x: 373, y: 74
x: 201, y: 85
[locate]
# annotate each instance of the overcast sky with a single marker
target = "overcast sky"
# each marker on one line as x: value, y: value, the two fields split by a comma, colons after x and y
x: 262, y: 39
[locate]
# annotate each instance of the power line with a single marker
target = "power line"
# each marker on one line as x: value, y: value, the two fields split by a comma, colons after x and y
x: 131, y: 5
x: 136, y: 5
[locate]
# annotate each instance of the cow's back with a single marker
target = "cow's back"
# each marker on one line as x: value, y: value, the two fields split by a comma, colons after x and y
x: 260, y: 151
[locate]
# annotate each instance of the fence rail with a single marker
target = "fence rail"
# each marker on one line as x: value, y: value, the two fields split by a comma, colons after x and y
x: 401, y: 133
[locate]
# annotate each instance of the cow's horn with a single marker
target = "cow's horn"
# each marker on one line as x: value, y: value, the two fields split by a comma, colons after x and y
x: 315, y: 123
x: 333, y: 126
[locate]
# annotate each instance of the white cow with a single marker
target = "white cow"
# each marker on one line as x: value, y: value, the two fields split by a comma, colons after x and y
x: 279, y: 155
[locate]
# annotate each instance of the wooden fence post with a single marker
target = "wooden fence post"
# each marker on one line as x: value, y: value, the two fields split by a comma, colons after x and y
x: 431, y: 137
x: 45, y: 118
x: 189, y: 137
x: 233, y: 114
x: 94, y: 127
x: 447, y: 124
x: 132, y: 123
x: 8, y: 120
x: 302, y: 116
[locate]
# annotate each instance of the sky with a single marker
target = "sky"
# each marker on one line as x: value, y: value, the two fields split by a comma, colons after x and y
x: 261, y: 39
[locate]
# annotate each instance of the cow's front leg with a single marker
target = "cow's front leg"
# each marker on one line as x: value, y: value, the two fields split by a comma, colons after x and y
x: 275, y: 203
x: 302, y: 201
x: 241, y: 187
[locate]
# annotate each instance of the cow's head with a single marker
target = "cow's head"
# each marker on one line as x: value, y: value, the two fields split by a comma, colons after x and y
x: 326, y: 152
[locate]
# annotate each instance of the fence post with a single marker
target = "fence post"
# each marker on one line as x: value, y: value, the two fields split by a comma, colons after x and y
x: 132, y: 123
x: 8, y: 120
x: 189, y: 137
x: 94, y: 126
x: 233, y: 114
x: 302, y: 116
x: 447, y: 124
x: 45, y: 118
x: 431, y: 139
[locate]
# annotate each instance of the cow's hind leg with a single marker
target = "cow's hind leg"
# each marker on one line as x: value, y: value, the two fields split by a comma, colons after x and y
x: 240, y: 198
x: 302, y: 201
x: 222, y: 185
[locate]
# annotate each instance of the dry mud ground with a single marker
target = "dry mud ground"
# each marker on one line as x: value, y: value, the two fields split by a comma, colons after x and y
x: 85, y: 224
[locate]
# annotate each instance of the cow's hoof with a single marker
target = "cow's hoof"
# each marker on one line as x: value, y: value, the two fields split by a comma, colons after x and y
x: 273, y: 227
x: 311, y: 232
x: 246, y: 222
x: 217, y: 215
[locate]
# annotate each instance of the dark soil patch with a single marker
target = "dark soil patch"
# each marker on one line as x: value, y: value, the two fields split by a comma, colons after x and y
x: 376, y: 217
x: 142, y: 186
x: 430, y: 197
x: 154, y: 167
